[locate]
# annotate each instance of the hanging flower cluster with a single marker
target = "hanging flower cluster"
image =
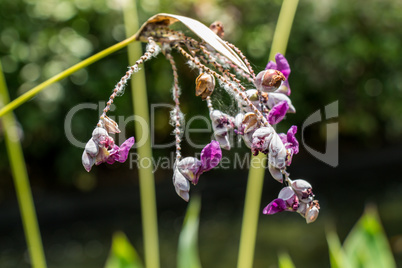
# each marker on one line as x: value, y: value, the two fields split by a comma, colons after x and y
x: 259, y: 108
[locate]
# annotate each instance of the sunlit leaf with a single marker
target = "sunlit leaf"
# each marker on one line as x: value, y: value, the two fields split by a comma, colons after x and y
x: 336, y: 253
x: 284, y: 261
x: 187, y: 253
x: 199, y: 29
x: 367, y: 245
x: 122, y: 254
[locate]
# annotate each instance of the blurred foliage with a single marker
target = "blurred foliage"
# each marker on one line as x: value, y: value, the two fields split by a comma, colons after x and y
x: 365, y: 246
x: 285, y: 261
x: 122, y: 254
x: 187, y: 253
x: 337, y: 50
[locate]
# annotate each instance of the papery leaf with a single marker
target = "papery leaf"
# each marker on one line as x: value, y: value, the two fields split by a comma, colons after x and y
x: 122, y: 253
x: 199, y: 29
x: 187, y: 252
x: 367, y: 245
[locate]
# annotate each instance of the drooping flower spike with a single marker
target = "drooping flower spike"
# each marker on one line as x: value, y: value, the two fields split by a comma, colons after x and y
x: 260, y: 107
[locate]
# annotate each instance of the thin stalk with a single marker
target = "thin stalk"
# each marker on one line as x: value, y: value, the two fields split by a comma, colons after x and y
x: 32, y: 92
x: 256, y: 173
x: 21, y: 182
x: 146, y: 178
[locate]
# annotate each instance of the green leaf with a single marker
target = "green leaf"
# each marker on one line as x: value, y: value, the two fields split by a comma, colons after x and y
x: 284, y: 261
x: 367, y: 245
x: 187, y: 253
x: 122, y: 254
x: 336, y: 254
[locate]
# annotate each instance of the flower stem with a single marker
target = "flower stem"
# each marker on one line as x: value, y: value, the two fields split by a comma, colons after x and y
x: 146, y: 178
x: 32, y: 92
x: 256, y: 173
x: 21, y: 181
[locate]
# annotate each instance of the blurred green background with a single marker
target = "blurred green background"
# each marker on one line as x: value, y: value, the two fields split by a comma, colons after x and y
x: 338, y: 51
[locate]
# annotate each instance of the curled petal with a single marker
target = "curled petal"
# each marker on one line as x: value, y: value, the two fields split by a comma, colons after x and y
x: 120, y: 154
x: 282, y: 65
x: 223, y: 141
x: 211, y: 155
x: 291, y: 139
x: 275, y: 173
x: 274, y: 98
x: 277, y: 205
x: 278, y: 112
x: 190, y: 168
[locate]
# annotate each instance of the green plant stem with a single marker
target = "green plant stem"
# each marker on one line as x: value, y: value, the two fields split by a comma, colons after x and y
x: 21, y: 181
x: 146, y: 178
x: 32, y: 92
x: 251, y: 211
x: 256, y: 173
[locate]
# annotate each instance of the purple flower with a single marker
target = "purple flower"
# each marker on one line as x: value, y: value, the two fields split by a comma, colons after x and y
x: 120, y: 154
x: 291, y: 143
x: 211, y: 155
x: 221, y: 124
x: 287, y: 201
x: 191, y: 168
x: 274, y: 98
x: 278, y: 112
x: 281, y: 65
x: 101, y: 148
x: 297, y: 197
x: 261, y: 140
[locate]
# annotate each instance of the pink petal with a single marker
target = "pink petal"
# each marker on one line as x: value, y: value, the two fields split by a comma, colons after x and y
x: 271, y: 65
x: 282, y: 65
x: 277, y: 205
x: 211, y: 155
x: 120, y: 154
x: 278, y: 112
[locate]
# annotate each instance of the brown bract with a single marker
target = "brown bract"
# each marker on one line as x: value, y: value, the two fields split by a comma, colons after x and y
x: 204, y: 85
x: 250, y: 122
x: 272, y: 78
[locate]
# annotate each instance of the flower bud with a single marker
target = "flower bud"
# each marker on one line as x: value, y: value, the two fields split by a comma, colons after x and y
x: 204, y: 85
x: 189, y: 167
x: 87, y: 161
x: 99, y: 135
x: 217, y: 28
x: 269, y: 80
x: 181, y: 185
x: 91, y: 148
x: 312, y: 211
x: 303, y: 189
